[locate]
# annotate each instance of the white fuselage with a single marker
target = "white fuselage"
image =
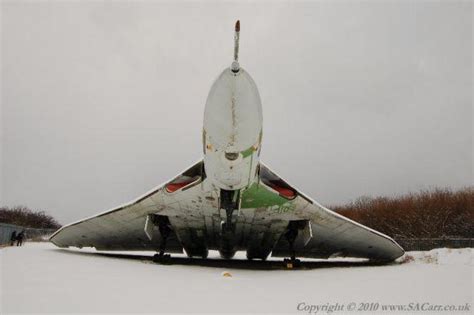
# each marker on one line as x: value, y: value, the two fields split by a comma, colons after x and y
x: 232, y: 132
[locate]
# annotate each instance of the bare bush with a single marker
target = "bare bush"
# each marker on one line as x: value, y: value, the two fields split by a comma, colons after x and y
x: 433, y: 213
x: 26, y: 217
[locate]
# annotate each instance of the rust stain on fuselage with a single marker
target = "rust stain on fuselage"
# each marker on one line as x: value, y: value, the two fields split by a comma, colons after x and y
x: 234, y: 120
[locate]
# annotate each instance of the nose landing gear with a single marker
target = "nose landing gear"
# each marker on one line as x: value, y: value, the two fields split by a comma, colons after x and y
x: 229, y: 201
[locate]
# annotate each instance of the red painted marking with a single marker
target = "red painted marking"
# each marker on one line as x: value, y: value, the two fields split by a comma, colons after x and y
x: 172, y: 187
x: 285, y: 192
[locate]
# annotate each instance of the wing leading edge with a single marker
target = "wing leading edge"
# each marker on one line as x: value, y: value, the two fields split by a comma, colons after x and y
x: 129, y: 227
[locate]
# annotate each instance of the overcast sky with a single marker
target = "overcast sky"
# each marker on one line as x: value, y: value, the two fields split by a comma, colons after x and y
x: 103, y: 101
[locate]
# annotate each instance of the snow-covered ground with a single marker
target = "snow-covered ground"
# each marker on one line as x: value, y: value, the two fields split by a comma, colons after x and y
x: 40, y: 278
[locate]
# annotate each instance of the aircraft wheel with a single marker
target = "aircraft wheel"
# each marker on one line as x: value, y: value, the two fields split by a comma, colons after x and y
x: 227, y: 254
x: 162, y: 259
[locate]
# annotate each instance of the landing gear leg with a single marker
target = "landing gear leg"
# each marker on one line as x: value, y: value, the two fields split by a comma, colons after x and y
x: 290, y: 236
x: 161, y: 257
x: 229, y: 202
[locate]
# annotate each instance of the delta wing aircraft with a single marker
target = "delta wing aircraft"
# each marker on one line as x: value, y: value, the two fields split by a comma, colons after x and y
x: 229, y: 201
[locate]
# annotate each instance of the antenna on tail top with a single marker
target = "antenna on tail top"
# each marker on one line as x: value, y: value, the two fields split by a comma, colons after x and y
x: 235, y: 64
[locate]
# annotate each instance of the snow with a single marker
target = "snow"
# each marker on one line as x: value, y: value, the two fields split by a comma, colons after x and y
x: 442, y: 256
x: 40, y: 278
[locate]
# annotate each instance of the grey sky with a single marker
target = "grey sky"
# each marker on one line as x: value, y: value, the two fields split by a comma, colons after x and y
x: 103, y: 101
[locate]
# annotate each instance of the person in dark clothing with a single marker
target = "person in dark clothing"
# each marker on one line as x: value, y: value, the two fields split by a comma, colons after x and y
x: 13, y: 238
x: 19, y: 238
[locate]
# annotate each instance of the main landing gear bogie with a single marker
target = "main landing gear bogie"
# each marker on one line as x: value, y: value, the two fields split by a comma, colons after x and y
x: 290, y: 236
x: 165, y: 231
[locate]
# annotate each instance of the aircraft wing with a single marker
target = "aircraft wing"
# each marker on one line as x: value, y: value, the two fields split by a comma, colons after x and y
x: 269, y: 206
x: 322, y: 232
x: 132, y: 226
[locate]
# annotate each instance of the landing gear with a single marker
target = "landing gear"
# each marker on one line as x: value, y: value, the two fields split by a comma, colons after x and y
x: 290, y: 236
x: 164, y: 259
x: 165, y: 230
x: 227, y: 253
x: 229, y: 202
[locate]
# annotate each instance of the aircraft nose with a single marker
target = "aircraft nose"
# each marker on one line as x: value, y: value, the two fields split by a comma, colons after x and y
x: 233, y: 114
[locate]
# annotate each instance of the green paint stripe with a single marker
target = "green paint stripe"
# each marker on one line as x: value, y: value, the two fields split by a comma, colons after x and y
x: 257, y: 196
x: 247, y: 152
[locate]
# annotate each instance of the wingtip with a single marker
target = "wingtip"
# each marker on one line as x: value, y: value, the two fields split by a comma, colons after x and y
x: 237, y: 26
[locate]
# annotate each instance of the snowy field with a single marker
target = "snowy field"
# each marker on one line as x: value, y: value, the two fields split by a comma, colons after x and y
x: 40, y: 278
